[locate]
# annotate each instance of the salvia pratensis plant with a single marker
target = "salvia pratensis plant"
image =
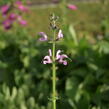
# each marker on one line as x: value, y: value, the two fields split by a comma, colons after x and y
x: 54, y: 56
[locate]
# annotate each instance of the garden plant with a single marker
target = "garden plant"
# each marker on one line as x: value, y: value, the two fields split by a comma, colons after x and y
x: 74, y: 74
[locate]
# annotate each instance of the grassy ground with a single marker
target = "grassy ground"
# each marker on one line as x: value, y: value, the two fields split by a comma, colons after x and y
x: 88, y: 17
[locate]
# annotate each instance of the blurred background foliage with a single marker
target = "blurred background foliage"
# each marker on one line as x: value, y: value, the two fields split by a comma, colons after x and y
x: 84, y: 84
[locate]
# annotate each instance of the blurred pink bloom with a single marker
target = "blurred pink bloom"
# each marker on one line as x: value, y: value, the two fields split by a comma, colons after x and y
x: 21, y: 7
x: 12, y: 16
x: 4, y: 9
x: 43, y: 36
x: 7, y: 24
x: 21, y: 21
x: 72, y: 7
x: 60, y: 34
x: 18, y: 3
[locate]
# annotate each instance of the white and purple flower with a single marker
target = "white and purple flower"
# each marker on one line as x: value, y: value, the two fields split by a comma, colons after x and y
x: 47, y: 59
x: 60, y: 34
x: 60, y: 58
x: 43, y: 37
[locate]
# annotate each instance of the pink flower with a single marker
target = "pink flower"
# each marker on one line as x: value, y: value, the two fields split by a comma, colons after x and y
x: 4, y: 9
x: 7, y: 24
x: 72, y: 7
x: 12, y: 16
x: 47, y: 59
x: 21, y: 7
x: 21, y: 21
x: 43, y: 36
x: 61, y: 57
x: 18, y: 3
x: 60, y: 34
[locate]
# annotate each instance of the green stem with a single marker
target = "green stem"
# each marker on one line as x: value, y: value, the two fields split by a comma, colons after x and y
x: 54, y: 73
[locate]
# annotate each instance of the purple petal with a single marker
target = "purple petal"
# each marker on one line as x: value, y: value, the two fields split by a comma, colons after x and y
x: 63, y: 56
x: 43, y: 36
x: 65, y: 62
x: 62, y: 60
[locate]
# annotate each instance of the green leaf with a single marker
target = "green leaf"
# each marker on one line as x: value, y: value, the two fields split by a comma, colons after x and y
x: 73, y: 34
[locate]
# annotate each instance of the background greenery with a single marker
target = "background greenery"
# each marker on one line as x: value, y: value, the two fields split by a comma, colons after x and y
x: 25, y: 83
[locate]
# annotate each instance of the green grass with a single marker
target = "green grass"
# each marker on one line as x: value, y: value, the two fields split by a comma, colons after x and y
x: 88, y: 17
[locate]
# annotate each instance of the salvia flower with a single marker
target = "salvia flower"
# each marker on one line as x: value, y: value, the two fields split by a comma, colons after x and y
x: 43, y: 36
x: 72, y: 7
x: 47, y: 59
x: 60, y: 58
x: 60, y: 34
